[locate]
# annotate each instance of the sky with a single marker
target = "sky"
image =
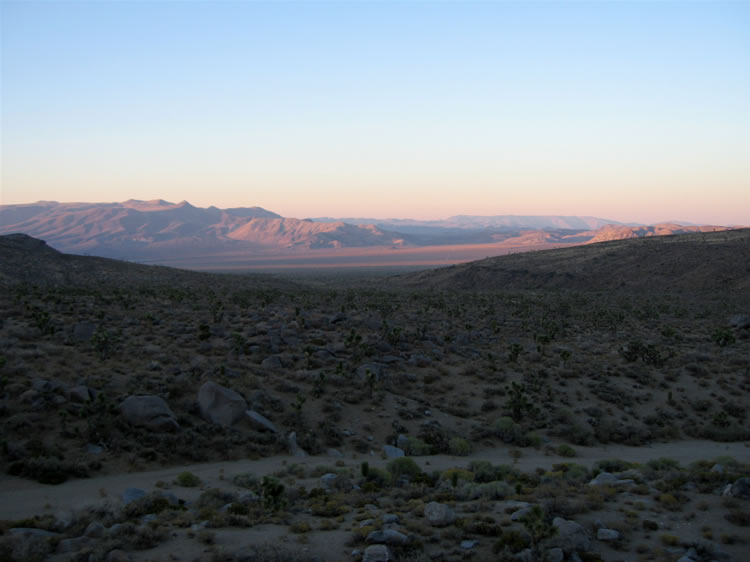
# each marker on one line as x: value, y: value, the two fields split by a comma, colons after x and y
x: 632, y: 111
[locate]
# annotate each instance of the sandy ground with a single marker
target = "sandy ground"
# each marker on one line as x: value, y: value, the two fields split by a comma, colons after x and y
x: 24, y: 498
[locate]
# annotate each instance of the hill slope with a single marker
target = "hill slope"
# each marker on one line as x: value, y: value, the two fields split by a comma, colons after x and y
x: 715, y: 260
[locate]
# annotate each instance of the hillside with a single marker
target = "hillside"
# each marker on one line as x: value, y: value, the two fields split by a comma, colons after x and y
x: 158, y: 413
x: 703, y: 261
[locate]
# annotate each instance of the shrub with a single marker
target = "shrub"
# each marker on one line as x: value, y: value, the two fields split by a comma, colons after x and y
x: 566, y: 451
x: 188, y: 480
x: 404, y: 466
x: 416, y: 447
x: 459, y: 447
x: 246, y: 480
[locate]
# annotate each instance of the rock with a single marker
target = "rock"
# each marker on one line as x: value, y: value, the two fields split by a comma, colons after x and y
x: 519, y: 513
x: 132, y: 494
x: 554, y: 555
x: 605, y: 478
x: 151, y: 412
x: 378, y: 553
x: 374, y: 368
x: 72, y: 545
x: 117, y: 555
x: 389, y: 536
x: 468, y: 545
x: 741, y: 488
x: 717, y: 468
x: 261, y: 422
x: 607, y: 535
x: 94, y: 449
x: 402, y: 442
x: 570, y: 536
x: 220, y: 405
x: 439, y: 514
x: 31, y: 532
x: 328, y: 481
x: 272, y: 362
x: 526, y: 555
x: 367, y: 523
x: 95, y: 529
x: 392, y: 452
x: 740, y: 321
x: 294, y: 449
x: 335, y: 453
x: 390, y: 519
x: 83, y: 331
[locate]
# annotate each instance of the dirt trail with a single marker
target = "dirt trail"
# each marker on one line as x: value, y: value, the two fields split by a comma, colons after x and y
x: 23, y: 498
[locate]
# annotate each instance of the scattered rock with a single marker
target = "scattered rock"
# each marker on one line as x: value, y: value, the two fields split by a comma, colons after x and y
x: 220, y: 405
x: 132, y: 494
x: 151, y: 412
x: 388, y: 536
x: 378, y: 553
x: 294, y: 449
x: 95, y: 529
x: 392, y: 452
x: 261, y: 422
x: 740, y: 488
x: 554, y: 555
x: 439, y: 514
x: 607, y: 535
x: 570, y: 536
x: 606, y: 478
x: 468, y: 545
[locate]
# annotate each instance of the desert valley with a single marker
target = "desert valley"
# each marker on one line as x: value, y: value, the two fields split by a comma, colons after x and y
x: 578, y: 403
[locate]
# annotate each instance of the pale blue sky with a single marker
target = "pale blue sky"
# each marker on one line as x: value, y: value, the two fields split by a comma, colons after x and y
x: 632, y: 111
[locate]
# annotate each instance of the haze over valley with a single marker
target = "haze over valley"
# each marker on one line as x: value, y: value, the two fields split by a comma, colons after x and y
x: 181, y: 234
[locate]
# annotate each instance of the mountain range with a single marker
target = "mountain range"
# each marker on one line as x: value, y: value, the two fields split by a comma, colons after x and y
x: 155, y: 230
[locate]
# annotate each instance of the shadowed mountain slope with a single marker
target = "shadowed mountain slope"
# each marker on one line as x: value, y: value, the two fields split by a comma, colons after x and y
x: 24, y: 259
x: 696, y: 261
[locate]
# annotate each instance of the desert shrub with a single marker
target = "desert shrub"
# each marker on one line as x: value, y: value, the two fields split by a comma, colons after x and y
x: 379, y: 477
x: 738, y: 517
x: 187, y: 480
x: 483, y: 471
x: 403, y: 466
x: 566, y: 451
x: 453, y: 474
x: 299, y: 527
x: 669, y: 540
x: 459, y: 447
x: 416, y: 447
x: 486, y: 490
x: 48, y: 470
x: 246, y: 480
x: 663, y: 464
x: 511, y: 541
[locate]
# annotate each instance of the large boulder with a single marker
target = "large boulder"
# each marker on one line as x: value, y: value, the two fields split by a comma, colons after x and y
x: 151, y: 412
x: 439, y: 514
x: 740, y: 489
x: 378, y: 553
x: 571, y: 537
x: 221, y: 405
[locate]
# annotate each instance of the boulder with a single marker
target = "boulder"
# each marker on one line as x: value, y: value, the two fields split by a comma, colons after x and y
x: 740, y: 321
x: 439, y: 514
x: 261, y: 422
x: 607, y: 535
x: 80, y: 394
x: 392, y: 452
x: 220, y: 405
x: 151, y: 412
x: 606, y: 478
x: 741, y: 488
x: 294, y: 449
x: 554, y: 555
x: 378, y: 553
x: 388, y: 536
x: 83, y: 331
x: 571, y: 536
x: 132, y: 494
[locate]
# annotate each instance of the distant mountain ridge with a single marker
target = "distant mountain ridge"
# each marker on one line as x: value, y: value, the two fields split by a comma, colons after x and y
x: 156, y: 230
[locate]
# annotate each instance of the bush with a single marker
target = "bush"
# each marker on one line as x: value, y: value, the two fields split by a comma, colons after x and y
x: 187, y: 480
x: 246, y: 480
x: 566, y: 451
x: 403, y: 466
x: 416, y: 447
x: 613, y: 465
x: 459, y: 447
